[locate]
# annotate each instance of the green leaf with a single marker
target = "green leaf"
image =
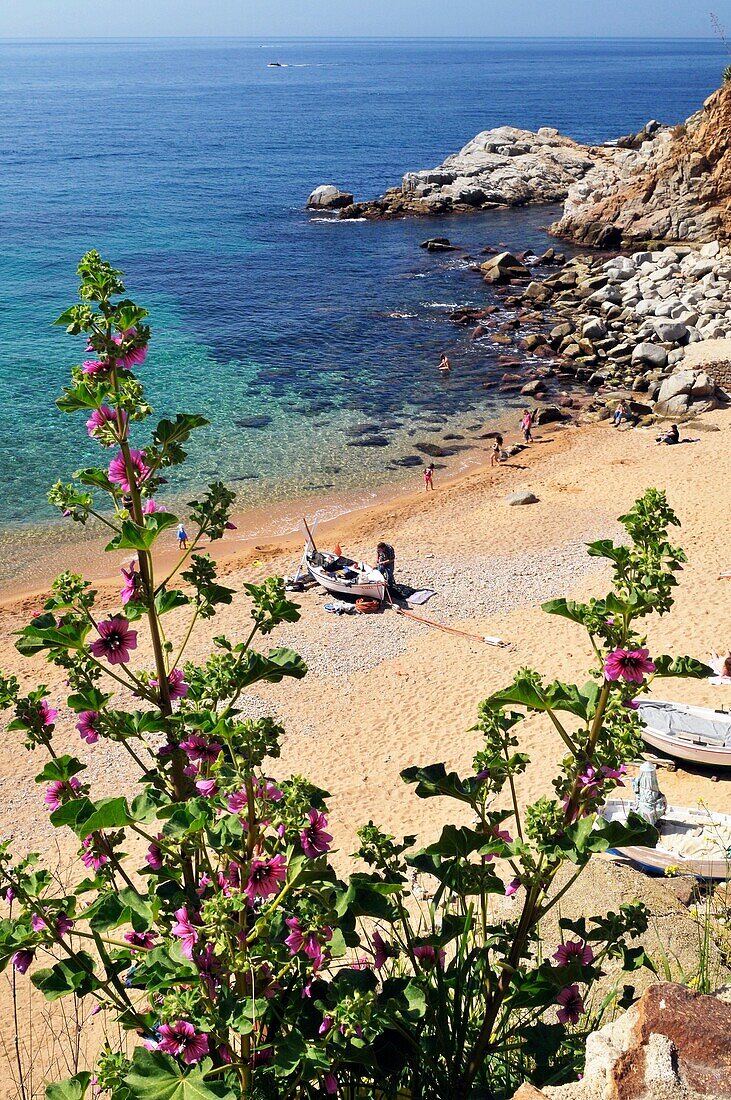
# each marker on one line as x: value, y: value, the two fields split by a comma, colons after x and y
x: 73, y: 1088
x: 66, y: 977
x: 433, y: 782
x: 289, y: 1053
x: 60, y: 768
x: 85, y: 817
x: 456, y: 841
x: 682, y: 666
x: 156, y: 1076
x: 134, y: 537
x: 168, y: 600
x: 567, y: 609
x: 96, y: 478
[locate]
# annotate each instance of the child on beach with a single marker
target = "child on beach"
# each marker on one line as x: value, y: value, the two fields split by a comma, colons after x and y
x: 497, y: 451
x: 182, y: 537
x: 429, y: 477
x: 526, y: 424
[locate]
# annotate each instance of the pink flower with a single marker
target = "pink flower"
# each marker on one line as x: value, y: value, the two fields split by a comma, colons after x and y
x: 330, y: 1082
x: 183, y: 1041
x: 100, y: 419
x: 197, y: 748
x: 60, y: 791
x: 185, y: 931
x: 22, y: 959
x: 428, y: 957
x: 574, y: 950
x: 314, y: 839
x: 150, y: 507
x: 46, y: 713
x: 63, y: 924
x: 571, y: 1003
x: 145, y: 941
x: 381, y: 950
x: 93, y: 366
x: 133, y: 357
x: 326, y: 1025
x: 631, y: 665
x: 297, y: 941
x: 237, y: 801
x: 132, y: 581
x: 631, y: 704
x: 91, y: 856
x: 8, y: 894
x: 154, y: 857
x: 115, y: 641
x: 86, y: 726
x: 229, y: 526
x: 267, y: 790
x: 497, y: 834
x: 512, y: 888
x: 178, y: 687
x: 118, y: 471
x: 265, y: 877
x: 207, y: 787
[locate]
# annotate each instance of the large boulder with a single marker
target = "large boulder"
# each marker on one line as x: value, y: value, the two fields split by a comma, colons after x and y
x: 329, y: 197
x: 503, y: 268
x: 686, y: 391
x: 650, y: 354
x: 673, y: 1044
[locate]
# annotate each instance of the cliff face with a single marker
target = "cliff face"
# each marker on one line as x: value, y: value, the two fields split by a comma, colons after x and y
x: 676, y: 186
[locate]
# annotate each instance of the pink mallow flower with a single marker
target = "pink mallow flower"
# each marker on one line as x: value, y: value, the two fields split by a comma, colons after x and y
x: 131, y: 584
x: 115, y: 641
x: 91, y: 856
x: 94, y: 366
x: 22, y: 959
x: 183, y: 1041
x: 185, y: 931
x: 154, y: 857
x: 198, y: 749
x: 179, y: 689
x: 150, y: 507
x: 86, y: 726
x: 574, y: 950
x: 64, y: 924
x: 381, y: 950
x: 118, y: 470
x: 631, y: 665
x: 308, y: 942
x: 134, y: 357
x: 207, y: 787
x: 46, y: 713
x: 428, y: 956
x: 314, y: 839
x: 512, y: 887
x: 60, y: 791
x: 571, y: 1003
x: 144, y: 941
x: 330, y: 1083
x: 100, y: 419
x: 265, y: 877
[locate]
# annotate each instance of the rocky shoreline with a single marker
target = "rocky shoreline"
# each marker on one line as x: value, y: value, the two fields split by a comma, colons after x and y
x: 661, y: 184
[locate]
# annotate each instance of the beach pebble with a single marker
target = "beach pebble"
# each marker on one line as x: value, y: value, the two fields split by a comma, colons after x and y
x: 524, y: 497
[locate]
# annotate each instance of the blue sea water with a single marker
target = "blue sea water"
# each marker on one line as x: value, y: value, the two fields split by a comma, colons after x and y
x: 188, y: 162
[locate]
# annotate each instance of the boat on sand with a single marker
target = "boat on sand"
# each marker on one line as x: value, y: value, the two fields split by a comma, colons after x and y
x: 692, y: 841
x: 344, y: 577
x: 696, y: 734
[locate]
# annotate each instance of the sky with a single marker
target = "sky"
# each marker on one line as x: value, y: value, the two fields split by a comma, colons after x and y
x: 366, y: 18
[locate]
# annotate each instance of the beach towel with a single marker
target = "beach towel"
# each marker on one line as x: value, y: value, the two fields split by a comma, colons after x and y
x: 420, y: 596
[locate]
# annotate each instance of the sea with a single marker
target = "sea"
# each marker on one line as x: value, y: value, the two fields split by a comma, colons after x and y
x: 188, y: 163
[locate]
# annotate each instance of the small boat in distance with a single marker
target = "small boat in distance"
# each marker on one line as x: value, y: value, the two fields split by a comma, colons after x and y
x: 693, y: 841
x: 276, y: 65
x: 343, y: 576
x: 696, y: 734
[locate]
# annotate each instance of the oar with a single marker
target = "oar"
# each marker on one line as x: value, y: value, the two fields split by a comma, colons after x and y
x: 309, y: 534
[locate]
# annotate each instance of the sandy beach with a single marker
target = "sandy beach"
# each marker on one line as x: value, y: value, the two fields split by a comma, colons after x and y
x: 383, y: 691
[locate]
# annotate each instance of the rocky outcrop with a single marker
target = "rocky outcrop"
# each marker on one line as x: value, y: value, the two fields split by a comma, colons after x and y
x: 501, y: 167
x: 329, y: 197
x: 674, y: 186
x: 673, y: 1044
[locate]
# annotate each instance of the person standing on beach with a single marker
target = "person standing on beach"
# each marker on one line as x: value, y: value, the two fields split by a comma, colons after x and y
x: 445, y: 366
x: 429, y: 477
x: 526, y: 424
x: 182, y: 537
x: 385, y: 562
x: 497, y: 448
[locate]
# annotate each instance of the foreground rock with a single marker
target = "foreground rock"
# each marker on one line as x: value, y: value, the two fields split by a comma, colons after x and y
x: 673, y: 1044
x: 676, y: 186
x: 501, y: 167
x: 328, y: 197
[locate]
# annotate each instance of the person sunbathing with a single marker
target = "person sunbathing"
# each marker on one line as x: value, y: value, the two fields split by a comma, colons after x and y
x: 669, y: 437
x: 722, y: 669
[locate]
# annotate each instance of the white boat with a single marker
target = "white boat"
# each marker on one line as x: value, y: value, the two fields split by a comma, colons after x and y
x: 345, y: 577
x: 696, y: 841
x: 696, y: 734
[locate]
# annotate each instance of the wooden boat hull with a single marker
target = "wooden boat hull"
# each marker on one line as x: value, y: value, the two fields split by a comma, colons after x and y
x: 686, y: 743
x: 655, y: 861
x: 369, y: 590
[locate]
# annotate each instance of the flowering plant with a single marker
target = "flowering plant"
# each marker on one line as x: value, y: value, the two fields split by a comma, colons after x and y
x: 205, y: 918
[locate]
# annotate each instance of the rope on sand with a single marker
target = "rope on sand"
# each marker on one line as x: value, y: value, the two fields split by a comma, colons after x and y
x: 449, y: 629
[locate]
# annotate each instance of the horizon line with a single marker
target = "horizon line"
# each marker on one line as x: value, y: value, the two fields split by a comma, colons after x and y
x: 361, y: 38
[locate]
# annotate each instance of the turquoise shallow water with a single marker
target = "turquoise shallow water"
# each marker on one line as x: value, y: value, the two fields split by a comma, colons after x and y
x: 188, y: 163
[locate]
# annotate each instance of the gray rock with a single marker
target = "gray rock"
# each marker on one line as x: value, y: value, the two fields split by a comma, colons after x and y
x: 329, y: 197
x: 524, y: 497
x: 651, y: 354
x: 438, y: 244
x: 671, y: 332
x: 503, y: 268
x: 593, y: 328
